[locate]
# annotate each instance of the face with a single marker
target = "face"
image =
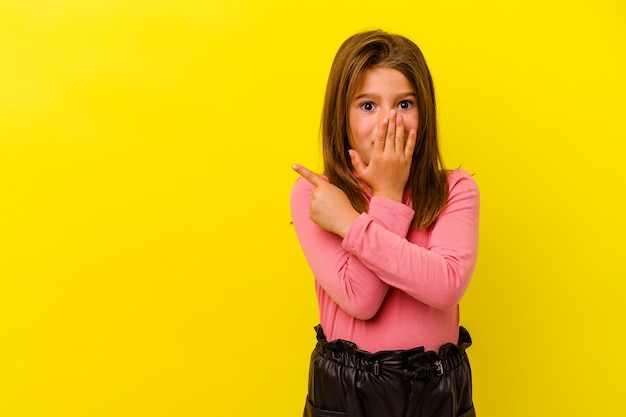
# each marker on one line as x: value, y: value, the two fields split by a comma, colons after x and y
x: 382, y: 90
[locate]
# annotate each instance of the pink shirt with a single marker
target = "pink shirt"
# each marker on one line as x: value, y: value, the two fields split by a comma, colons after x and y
x: 388, y: 286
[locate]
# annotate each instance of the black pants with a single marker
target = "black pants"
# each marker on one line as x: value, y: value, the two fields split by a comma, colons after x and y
x: 345, y: 381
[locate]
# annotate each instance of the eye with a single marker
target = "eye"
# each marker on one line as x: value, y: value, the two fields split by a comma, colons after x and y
x: 368, y: 106
x: 405, y: 104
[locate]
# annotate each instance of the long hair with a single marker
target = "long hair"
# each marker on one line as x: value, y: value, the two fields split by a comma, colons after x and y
x: 427, y: 180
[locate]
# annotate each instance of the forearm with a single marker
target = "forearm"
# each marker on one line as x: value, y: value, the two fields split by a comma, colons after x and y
x: 436, y: 279
x: 434, y: 267
x: 354, y: 287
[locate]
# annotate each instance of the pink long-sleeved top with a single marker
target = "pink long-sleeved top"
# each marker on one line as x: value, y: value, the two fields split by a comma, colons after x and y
x: 386, y: 285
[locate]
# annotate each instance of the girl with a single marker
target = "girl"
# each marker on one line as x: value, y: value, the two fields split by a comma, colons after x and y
x: 391, y: 238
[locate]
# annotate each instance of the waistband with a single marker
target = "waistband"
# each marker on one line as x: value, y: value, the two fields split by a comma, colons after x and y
x: 413, y: 363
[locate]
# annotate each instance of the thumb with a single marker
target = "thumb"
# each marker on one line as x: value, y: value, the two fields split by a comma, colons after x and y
x: 357, y: 162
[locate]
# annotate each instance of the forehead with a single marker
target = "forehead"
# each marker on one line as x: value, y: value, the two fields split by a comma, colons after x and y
x: 383, y: 79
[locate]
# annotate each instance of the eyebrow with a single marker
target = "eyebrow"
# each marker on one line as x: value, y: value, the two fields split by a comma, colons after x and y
x: 371, y: 95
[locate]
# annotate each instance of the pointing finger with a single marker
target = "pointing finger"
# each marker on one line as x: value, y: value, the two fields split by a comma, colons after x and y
x: 308, y: 175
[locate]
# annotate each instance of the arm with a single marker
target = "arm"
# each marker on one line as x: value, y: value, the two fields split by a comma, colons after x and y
x: 355, y: 288
x: 437, y: 275
x: 323, y: 215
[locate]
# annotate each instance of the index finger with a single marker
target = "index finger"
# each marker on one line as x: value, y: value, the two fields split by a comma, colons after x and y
x: 380, y: 135
x: 308, y: 175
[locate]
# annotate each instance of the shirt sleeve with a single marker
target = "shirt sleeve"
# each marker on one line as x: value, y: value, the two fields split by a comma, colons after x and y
x: 348, y: 282
x: 438, y: 274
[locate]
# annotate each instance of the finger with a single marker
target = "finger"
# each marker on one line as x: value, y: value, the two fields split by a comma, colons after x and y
x: 357, y: 163
x: 410, y: 144
x: 308, y: 175
x: 379, y: 136
x: 399, y: 139
x: 390, y: 139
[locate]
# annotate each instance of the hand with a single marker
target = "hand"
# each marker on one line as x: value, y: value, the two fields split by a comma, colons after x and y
x: 390, y: 163
x: 330, y: 207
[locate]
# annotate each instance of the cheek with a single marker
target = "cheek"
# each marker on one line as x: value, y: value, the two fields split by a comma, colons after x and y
x: 412, y: 122
x: 362, y: 131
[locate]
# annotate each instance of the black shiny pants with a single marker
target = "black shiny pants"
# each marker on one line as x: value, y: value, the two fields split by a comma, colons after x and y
x: 345, y: 381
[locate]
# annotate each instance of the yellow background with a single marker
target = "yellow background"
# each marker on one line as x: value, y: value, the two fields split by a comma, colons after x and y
x: 147, y: 263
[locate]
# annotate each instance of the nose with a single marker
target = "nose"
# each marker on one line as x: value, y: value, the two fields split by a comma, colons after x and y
x: 384, y: 112
x: 381, y: 115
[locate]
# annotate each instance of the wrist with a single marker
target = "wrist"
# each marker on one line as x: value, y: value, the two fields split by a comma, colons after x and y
x: 346, y: 224
x: 390, y: 194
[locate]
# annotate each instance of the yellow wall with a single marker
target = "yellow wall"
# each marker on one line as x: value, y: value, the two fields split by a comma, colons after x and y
x: 147, y: 264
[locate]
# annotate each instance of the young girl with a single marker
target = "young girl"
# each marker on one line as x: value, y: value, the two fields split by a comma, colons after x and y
x: 391, y: 238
